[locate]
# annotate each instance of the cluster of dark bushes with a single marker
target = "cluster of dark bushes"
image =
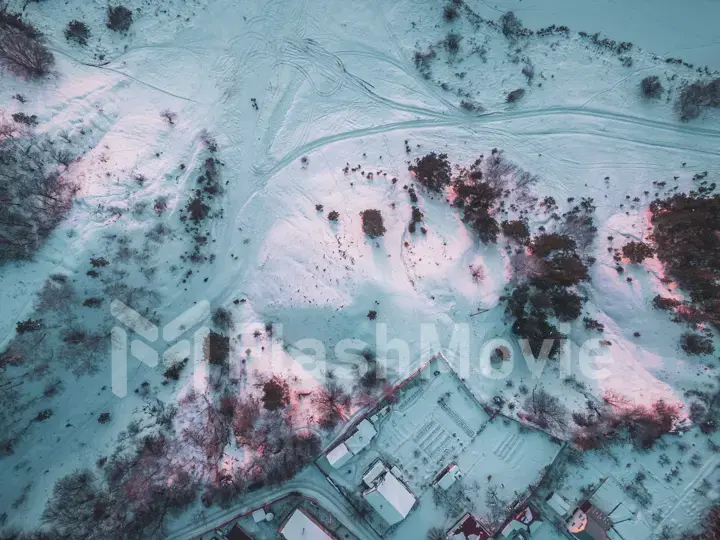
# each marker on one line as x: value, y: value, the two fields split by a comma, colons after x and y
x: 35, y: 195
x: 553, y: 30
x: 476, y: 196
x: 651, y: 87
x: 686, y: 242
x: 78, y: 32
x: 619, y: 48
x: 550, y: 273
x: 621, y: 422
x: 512, y: 28
x: 22, y: 47
x: 516, y: 230
x: 199, y: 207
x: 515, y: 96
x: 415, y: 218
x: 432, y: 172
x: 696, y: 344
x: 119, y: 18
x: 372, y: 223
x: 695, y: 96
x: 423, y: 61
x: 637, y: 252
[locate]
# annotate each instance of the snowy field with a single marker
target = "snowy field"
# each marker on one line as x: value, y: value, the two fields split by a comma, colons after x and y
x: 306, y: 107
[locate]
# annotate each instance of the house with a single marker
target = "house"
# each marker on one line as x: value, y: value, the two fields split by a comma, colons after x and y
x: 386, y: 494
x: 447, y: 477
x: 589, y: 523
x: 343, y: 452
x: 364, y: 433
x: 338, y: 456
x: 523, y: 525
x: 302, y: 526
x: 468, y: 528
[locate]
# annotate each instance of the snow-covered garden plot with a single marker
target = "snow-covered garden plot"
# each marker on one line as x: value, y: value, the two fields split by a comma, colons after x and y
x: 454, y: 458
x: 496, y: 472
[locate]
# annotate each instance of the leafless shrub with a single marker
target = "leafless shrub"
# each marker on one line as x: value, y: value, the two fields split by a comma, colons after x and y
x: 84, y: 351
x: 54, y: 296
x: 499, y: 507
x: 169, y: 116
x: 477, y: 271
x: 245, y: 416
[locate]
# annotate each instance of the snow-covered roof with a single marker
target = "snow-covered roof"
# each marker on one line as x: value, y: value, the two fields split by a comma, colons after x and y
x: 390, y: 498
x: 339, y: 455
x: 468, y: 528
x: 300, y: 526
x: 448, y: 477
x: 373, y: 472
x: 361, y: 438
x: 557, y: 503
x: 528, y: 519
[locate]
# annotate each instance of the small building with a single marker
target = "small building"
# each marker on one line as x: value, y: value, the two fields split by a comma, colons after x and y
x: 447, y: 477
x: 302, y: 526
x: 468, y: 528
x: 364, y: 433
x: 259, y: 515
x: 589, y: 523
x: 338, y: 456
x: 387, y: 495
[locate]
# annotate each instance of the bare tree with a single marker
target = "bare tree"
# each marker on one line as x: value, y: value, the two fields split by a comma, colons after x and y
x: 545, y: 409
x: 332, y: 402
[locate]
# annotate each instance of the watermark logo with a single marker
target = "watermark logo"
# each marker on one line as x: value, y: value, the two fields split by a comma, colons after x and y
x: 172, y: 349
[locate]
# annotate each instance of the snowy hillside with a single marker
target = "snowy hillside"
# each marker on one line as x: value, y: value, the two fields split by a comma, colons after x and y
x: 196, y: 293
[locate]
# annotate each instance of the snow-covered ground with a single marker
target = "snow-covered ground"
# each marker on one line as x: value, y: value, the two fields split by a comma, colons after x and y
x: 336, y: 86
